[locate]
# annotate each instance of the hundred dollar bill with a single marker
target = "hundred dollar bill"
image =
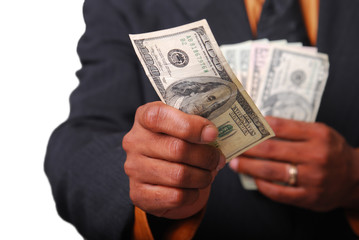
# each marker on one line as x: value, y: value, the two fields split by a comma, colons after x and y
x: 189, y: 72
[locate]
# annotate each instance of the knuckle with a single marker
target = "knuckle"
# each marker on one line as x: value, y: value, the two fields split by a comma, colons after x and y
x: 341, y: 145
x: 134, y: 195
x: 139, y: 111
x: 127, y: 142
x: 266, y: 172
x: 206, y: 180
x: 150, y: 115
x: 322, y: 156
x: 179, y: 175
x: 323, y: 131
x: 129, y: 168
x: 158, y: 196
x: 212, y: 158
x: 267, y: 147
x: 178, y: 148
x: 177, y: 197
x: 316, y: 180
x: 185, y: 128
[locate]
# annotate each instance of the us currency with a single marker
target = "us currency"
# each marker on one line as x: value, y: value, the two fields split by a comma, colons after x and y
x: 294, y: 83
x: 292, y: 87
x: 189, y: 72
x: 258, y: 60
x: 258, y: 77
x: 238, y: 58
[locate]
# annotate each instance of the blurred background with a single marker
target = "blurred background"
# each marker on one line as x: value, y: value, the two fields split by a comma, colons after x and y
x: 38, y: 61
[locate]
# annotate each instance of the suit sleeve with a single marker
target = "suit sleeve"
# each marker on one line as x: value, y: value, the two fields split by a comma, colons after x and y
x: 84, y: 160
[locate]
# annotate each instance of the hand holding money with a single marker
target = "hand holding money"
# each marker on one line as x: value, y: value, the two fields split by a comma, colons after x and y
x: 284, y: 79
x: 189, y: 72
x: 326, y: 166
x: 169, y: 162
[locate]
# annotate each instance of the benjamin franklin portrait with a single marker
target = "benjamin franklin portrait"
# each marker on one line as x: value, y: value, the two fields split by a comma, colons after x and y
x: 208, y: 97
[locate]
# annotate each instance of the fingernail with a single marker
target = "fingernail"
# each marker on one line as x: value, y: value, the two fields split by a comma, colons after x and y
x: 209, y: 134
x: 234, y: 164
x: 222, y: 162
x: 272, y: 121
x: 269, y: 119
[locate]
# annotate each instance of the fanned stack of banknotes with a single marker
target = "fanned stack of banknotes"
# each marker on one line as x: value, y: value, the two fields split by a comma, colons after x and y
x: 284, y: 79
x: 189, y: 72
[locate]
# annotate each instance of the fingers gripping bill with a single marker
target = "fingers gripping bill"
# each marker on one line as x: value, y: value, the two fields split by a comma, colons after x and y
x: 189, y: 72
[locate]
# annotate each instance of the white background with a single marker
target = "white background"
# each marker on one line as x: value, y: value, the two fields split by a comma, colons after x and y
x: 38, y: 62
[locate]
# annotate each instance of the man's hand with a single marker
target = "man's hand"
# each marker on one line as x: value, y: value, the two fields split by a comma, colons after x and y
x: 169, y: 162
x: 328, y: 168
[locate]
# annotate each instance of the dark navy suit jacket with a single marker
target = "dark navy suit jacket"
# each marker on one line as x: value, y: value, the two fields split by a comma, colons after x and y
x: 84, y: 161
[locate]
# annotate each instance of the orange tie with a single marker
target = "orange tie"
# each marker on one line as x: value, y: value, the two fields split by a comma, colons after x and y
x: 310, y: 12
